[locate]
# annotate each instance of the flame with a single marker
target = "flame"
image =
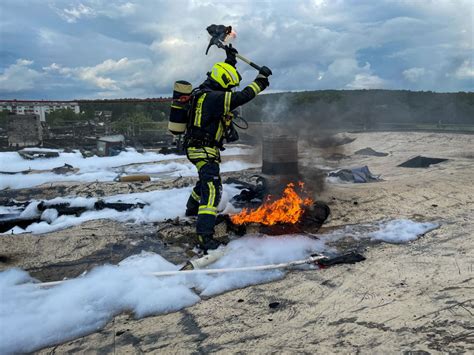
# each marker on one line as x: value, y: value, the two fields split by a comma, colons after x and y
x: 230, y: 36
x: 288, y: 209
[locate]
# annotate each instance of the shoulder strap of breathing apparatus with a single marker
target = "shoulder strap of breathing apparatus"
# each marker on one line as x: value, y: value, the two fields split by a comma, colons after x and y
x: 192, y: 100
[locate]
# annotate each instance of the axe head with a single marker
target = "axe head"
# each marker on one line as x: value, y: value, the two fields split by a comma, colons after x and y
x: 219, y: 32
x: 218, y: 35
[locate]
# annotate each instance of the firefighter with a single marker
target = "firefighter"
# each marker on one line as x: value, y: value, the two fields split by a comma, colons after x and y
x: 209, y: 124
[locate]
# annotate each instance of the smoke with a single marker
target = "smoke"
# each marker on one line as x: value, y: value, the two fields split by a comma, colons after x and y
x: 315, y: 124
x: 312, y: 117
x: 319, y: 118
x: 276, y: 112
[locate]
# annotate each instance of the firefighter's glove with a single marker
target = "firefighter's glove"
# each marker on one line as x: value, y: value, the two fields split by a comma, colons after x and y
x: 231, y: 52
x: 262, y: 77
x: 262, y: 81
x: 265, y: 71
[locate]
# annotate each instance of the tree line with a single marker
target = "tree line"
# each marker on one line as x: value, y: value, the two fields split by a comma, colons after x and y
x: 324, y: 108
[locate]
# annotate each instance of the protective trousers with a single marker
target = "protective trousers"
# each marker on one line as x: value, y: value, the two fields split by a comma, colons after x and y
x: 206, y: 195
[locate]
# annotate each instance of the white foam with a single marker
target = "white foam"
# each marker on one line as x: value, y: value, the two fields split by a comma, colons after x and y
x: 37, y: 318
x: 401, y: 230
x: 99, y: 168
x: 9, y: 209
x: 12, y: 161
x: 161, y: 205
x: 20, y: 181
x: 85, y: 304
x: 159, y: 168
x: 49, y: 215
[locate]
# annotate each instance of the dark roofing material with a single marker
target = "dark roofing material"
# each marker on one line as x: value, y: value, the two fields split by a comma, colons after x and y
x: 421, y: 162
x: 360, y: 174
x: 371, y: 152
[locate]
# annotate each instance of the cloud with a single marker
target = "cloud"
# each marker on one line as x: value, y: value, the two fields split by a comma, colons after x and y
x: 96, y: 8
x: 465, y: 71
x: 414, y: 74
x: 349, y: 74
x: 75, y: 13
x: 127, y: 73
x: 309, y: 44
x: 344, y: 67
x: 126, y: 9
x: 18, y: 77
x: 366, y: 81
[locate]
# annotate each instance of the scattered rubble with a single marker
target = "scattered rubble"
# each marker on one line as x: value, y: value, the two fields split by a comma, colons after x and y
x: 252, y: 195
x: 11, y: 220
x: 31, y: 154
x: 65, y: 169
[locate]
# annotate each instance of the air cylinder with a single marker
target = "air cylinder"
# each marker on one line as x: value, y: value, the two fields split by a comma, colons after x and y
x: 179, y: 107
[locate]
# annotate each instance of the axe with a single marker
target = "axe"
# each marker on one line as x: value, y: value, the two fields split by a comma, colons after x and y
x: 218, y: 35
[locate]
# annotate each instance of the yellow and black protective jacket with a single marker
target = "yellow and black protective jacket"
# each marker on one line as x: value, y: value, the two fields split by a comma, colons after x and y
x: 211, y: 115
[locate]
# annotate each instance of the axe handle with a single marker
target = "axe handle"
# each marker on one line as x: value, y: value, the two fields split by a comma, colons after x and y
x: 249, y: 62
x: 241, y: 57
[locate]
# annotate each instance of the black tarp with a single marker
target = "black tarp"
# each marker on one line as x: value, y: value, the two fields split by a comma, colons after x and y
x: 369, y: 151
x: 358, y: 175
x: 421, y: 162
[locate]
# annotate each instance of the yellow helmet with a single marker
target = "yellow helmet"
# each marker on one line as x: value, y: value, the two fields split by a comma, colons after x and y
x: 225, y: 74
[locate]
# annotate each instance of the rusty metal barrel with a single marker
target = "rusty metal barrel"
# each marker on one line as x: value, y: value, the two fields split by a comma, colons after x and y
x: 280, y: 155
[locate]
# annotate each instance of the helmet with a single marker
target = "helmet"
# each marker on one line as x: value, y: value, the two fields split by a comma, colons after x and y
x: 225, y: 75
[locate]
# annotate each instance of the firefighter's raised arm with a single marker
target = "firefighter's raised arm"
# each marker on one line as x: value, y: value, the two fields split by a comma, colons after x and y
x: 260, y: 83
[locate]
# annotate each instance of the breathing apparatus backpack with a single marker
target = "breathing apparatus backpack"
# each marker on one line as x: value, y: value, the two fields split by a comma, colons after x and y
x: 180, y: 106
x: 181, y: 111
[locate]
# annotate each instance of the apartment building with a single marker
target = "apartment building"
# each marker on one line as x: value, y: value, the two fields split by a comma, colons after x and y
x: 40, y: 108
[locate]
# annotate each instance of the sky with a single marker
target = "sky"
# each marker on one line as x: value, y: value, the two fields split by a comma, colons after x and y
x: 114, y: 49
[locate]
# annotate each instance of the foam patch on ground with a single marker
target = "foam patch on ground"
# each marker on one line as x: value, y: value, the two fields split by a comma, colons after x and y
x: 401, y: 231
x: 14, y: 162
x: 185, y: 169
x: 160, y: 205
x: 103, y: 168
x: 37, y: 318
x: 396, y: 231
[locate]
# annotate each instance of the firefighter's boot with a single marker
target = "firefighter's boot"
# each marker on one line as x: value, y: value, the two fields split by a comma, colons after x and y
x: 207, y: 242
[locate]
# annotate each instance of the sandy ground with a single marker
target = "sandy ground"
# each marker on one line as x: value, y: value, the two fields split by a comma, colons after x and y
x: 415, y: 298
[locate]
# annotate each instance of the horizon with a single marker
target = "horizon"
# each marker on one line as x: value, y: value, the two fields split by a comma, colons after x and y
x: 169, y: 96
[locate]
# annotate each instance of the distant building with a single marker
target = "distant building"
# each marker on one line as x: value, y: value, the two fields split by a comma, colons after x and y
x: 110, y: 145
x: 24, y: 130
x: 103, y: 119
x: 40, y: 108
x: 104, y: 116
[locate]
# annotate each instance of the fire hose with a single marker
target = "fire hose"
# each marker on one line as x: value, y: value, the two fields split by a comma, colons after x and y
x: 319, y: 260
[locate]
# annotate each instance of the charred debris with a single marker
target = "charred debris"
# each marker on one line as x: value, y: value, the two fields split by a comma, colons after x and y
x: 11, y: 220
x: 251, y: 197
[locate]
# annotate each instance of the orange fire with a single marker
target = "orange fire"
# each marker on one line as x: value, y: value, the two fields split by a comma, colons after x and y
x: 288, y: 209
